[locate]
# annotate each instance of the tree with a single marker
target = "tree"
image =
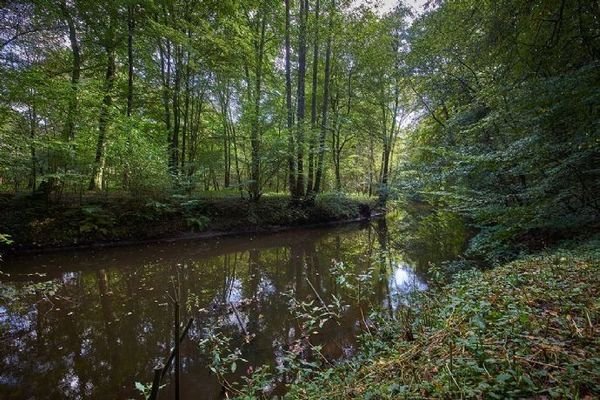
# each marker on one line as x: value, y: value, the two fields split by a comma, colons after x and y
x: 107, y: 36
x: 325, y: 107
x: 301, y: 99
x: 76, y: 70
x: 502, y: 140
x: 288, y: 102
x: 313, y: 103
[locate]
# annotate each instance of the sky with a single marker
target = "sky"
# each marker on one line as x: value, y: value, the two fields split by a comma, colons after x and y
x: 417, y: 5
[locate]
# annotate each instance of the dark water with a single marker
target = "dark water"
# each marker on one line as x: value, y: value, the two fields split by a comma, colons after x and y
x: 89, y: 324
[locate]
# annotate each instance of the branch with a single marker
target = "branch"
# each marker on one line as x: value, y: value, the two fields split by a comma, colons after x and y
x: 426, y: 106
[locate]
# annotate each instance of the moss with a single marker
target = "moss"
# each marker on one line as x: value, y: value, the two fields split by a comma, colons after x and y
x: 528, y: 329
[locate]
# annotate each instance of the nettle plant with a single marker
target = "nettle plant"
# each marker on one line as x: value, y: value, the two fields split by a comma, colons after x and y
x: 357, y: 285
x: 224, y: 359
x: 301, y: 360
x: 298, y: 360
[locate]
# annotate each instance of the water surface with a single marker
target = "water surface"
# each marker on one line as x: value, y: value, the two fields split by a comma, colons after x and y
x: 89, y: 324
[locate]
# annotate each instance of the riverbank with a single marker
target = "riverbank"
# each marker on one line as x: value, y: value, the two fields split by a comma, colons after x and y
x: 36, y: 224
x: 528, y: 329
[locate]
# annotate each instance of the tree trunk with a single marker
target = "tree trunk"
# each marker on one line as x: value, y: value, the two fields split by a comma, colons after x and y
x: 186, y: 115
x: 388, y: 138
x: 338, y: 145
x: 236, y: 158
x: 130, y: 27
x: 313, y: 105
x: 129, y: 110
x: 165, y: 72
x: 32, y: 129
x: 103, y: 121
x: 75, y: 73
x: 223, y: 96
x: 301, y: 99
x: 174, y: 149
x: 197, y: 109
x: 288, y: 103
x: 322, y: 135
x: 186, y: 101
x: 255, y: 132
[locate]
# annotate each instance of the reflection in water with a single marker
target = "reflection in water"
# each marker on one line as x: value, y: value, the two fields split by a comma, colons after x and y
x: 90, y: 324
x: 429, y: 236
x: 403, y: 281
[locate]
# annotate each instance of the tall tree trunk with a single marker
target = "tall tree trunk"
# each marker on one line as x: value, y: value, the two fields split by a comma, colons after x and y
x: 313, y: 105
x: 75, y: 73
x: 174, y: 149
x: 165, y: 72
x: 103, y: 121
x: 337, y: 144
x: 326, y: 84
x: 32, y: 128
x: 301, y: 99
x: 226, y: 157
x: 195, y: 127
x: 130, y: 28
x: 129, y: 110
x: 236, y: 158
x: 186, y: 107
x: 186, y: 115
x: 223, y: 96
x: 388, y: 138
x: 255, y: 132
x: 371, y: 165
x: 288, y: 103
x: 191, y: 133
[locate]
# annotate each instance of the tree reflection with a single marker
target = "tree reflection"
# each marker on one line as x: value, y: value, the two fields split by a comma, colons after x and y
x: 105, y: 319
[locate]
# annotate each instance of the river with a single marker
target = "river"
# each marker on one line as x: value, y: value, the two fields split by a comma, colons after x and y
x: 88, y: 324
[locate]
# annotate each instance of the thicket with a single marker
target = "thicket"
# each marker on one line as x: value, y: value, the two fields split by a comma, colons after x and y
x: 36, y: 223
x: 509, y: 135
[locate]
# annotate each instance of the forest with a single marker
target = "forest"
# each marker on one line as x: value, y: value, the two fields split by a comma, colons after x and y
x: 201, y: 96
x: 488, y: 108
x: 475, y: 124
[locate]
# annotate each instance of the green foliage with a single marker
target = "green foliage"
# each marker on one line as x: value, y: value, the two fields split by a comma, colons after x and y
x: 508, y: 140
x: 143, y: 388
x: 10, y: 295
x: 159, y: 208
x: 33, y: 221
x: 506, y: 333
x: 335, y: 206
x: 357, y: 285
x: 224, y: 361
x: 198, y: 223
x: 432, y: 237
x: 96, y: 219
x: 5, y: 239
x: 202, y: 107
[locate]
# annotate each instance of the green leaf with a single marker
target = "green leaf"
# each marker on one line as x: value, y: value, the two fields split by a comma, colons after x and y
x: 504, y: 377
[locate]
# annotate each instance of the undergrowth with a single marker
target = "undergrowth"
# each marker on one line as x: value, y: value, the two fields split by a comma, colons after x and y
x: 34, y: 223
x: 528, y: 329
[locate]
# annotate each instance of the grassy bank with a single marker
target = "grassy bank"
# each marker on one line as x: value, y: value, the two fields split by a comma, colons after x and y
x: 528, y: 329
x: 36, y: 223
